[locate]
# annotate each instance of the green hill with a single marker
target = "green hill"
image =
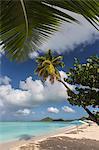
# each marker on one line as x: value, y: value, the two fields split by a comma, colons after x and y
x: 47, y: 119
x: 51, y: 119
x: 60, y: 119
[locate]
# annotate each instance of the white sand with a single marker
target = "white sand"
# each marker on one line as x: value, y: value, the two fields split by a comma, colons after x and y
x: 83, y: 131
x: 87, y: 132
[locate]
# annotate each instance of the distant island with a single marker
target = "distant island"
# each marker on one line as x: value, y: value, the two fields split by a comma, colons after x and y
x: 48, y: 119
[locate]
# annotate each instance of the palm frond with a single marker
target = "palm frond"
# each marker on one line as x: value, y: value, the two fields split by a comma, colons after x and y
x: 59, y: 64
x: 57, y: 61
x: 57, y: 58
x: 57, y: 74
x: 48, y: 67
x: 89, y: 9
x: 40, y: 59
x: 49, y: 55
x: 26, y: 24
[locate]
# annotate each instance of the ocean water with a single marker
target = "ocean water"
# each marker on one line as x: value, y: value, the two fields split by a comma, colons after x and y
x: 25, y: 130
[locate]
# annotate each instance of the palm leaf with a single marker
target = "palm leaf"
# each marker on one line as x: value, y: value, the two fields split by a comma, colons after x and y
x: 59, y: 64
x: 48, y: 66
x: 57, y: 73
x: 89, y: 9
x: 49, y: 55
x: 40, y: 59
x: 57, y: 58
x: 26, y: 24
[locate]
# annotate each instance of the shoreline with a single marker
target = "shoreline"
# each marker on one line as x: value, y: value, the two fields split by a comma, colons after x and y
x: 15, y: 145
x: 45, y: 134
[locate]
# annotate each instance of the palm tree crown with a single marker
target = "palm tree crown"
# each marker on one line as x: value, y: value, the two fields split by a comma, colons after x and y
x: 48, y: 66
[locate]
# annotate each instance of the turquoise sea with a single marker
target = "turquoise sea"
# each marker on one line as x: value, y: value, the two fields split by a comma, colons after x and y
x: 25, y: 130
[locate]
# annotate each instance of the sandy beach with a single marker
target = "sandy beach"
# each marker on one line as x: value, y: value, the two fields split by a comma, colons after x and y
x: 75, y: 138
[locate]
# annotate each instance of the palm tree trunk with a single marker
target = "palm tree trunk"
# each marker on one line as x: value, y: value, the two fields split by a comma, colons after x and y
x: 92, y: 116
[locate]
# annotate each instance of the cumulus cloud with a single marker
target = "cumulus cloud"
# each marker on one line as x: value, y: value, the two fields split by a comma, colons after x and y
x: 53, y: 110
x: 33, y: 55
x: 70, y: 36
x: 5, y: 80
x: 30, y: 93
x: 23, y: 112
x: 35, y: 88
x: 44, y: 92
x: 68, y: 109
x: 16, y: 97
x: 63, y: 74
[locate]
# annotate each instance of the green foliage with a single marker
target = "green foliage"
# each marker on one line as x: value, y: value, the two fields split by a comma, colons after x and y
x: 96, y: 114
x: 86, y: 79
x: 26, y: 24
x: 48, y: 66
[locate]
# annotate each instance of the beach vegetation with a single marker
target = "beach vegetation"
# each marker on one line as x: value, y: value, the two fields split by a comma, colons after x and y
x: 85, y: 77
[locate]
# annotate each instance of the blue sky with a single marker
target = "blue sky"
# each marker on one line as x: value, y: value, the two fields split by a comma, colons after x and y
x: 20, y: 71
x: 23, y: 95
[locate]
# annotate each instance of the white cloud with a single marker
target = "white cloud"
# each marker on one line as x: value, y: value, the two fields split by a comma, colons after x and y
x: 10, y: 96
x: 1, y: 54
x: 5, y: 80
x: 70, y: 36
x: 33, y: 55
x: 53, y: 110
x: 47, y: 92
x: 1, y: 103
x: 23, y: 112
x: 35, y: 88
x: 1, y: 51
x: 63, y: 74
x: 68, y: 109
x: 31, y: 93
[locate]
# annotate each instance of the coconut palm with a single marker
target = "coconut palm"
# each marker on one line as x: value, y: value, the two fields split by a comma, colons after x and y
x: 48, y: 66
x: 25, y: 24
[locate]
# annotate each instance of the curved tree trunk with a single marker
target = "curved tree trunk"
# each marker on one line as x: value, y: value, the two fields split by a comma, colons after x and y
x: 92, y: 116
x: 64, y: 84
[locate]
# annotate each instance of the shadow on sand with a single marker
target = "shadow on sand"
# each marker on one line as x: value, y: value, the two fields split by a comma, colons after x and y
x: 25, y: 137
x: 66, y: 143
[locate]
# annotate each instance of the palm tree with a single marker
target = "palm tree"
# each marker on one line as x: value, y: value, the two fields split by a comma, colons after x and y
x: 48, y: 67
x: 25, y: 24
